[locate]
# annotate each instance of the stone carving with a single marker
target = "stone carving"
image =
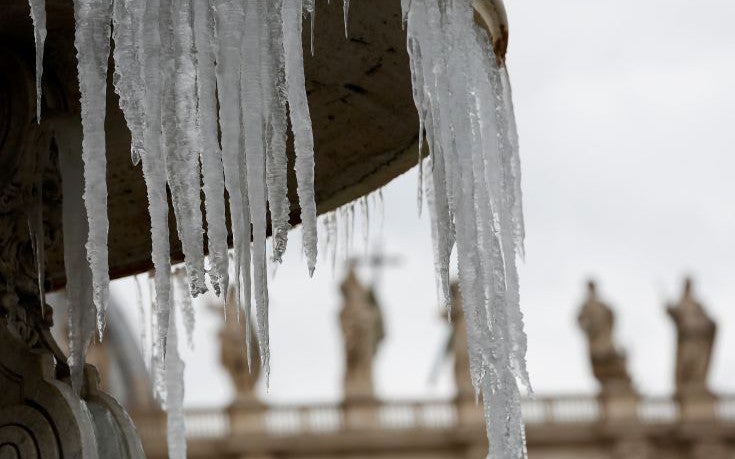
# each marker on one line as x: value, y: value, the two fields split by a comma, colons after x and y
x: 608, y: 363
x: 695, y: 338
x: 362, y: 330
x: 233, y: 352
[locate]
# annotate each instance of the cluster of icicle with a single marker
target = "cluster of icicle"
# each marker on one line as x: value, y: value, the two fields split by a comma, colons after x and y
x: 207, y: 88
x: 473, y: 194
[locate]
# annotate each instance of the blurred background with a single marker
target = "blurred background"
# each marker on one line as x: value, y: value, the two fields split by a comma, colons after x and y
x: 625, y: 113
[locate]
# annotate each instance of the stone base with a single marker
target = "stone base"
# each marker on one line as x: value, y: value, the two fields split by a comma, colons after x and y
x: 361, y: 412
x: 246, y: 415
x: 696, y: 406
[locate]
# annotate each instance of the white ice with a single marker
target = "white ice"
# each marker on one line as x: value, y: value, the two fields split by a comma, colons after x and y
x: 210, y: 152
x: 473, y: 195
x: 175, y: 427
x: 92, y: 41
x: 79, y: 303
x: 38, y: 15
x: 301, y: 126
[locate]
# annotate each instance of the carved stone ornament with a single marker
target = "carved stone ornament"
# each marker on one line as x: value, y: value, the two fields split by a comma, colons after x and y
x: 40, y: 414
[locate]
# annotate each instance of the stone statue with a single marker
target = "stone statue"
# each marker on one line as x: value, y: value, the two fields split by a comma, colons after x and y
x: 362, y: 329
x: 695, y: 337
x: 234, y: 355
x: 608, y: 363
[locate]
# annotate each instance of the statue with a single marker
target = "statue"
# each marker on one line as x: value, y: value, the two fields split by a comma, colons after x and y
x: 695, y: 338
x: 362, y: 329
x: 234, y: 354
x: 608, y: 363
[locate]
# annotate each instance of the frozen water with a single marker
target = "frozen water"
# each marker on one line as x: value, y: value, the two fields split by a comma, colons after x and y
x: 79, y: 303
x: 207, y: 90
x: 210, y: 152
x: 38, y: 14
x: 301, y: 125
x: 92, y: 41
x: 473, y: 195
x: 176, y: 429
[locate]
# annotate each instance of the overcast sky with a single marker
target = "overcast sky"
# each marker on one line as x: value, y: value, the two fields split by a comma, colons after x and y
x: 626, y: 115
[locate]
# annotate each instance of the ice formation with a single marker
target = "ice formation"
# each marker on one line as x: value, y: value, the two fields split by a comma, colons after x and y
x: 79, y: 303
x: 176, y: 429
x: 92, y: 41
x: 208, y: 88
x: 38, y: 15
x: 463, y: 99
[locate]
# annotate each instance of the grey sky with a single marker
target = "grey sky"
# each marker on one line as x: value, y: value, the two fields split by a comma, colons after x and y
x: 625, y: 111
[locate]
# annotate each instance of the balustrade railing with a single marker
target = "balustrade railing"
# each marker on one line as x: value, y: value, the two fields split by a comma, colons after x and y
x: 427, y: 415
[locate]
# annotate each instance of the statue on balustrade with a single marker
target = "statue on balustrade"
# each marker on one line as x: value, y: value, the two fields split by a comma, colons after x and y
x: 362, y: 329
x: 234, y: 356
x: 695, y: 338
x: 608, y: 363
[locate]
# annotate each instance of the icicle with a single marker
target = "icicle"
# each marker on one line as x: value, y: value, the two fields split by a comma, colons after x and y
x: 36, y: 232
x: 346, y: 11
x: 79, y: 303
x: 141, y: 312
x: 470, y: 173
x: 442, y: 230
x: 365, y: 206
x: 276, y: 117
x: 175, y: 427
x: 253, y: 124
x: 211, y: 155
x: 38, y: 14
x: 92, y: 41
x: 310, y: 9
x: 181, y: 155
x: 187, y: 309
x: 127, y: 31
x: 229, y: 25
x: 513, y: 163
x: 301, y: 126
x: 155, y: 178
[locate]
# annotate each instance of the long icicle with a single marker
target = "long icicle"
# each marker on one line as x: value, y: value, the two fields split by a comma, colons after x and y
x: 154, y: 172
x: 175, y: 426
x: 253, y: 124
x: 456, y: 96
x: 182, y: 156
x: 79, y: 303
x: 211, y: 154
x: 276, y: 115
x: 38, y: 15
x: 129, y: 82
x: 300, y: 125
x: 92, y: 41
